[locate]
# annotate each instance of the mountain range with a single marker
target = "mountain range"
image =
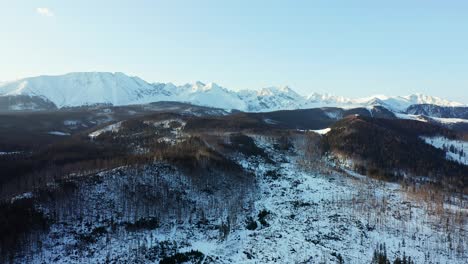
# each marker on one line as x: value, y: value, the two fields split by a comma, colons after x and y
x: 88, y: 88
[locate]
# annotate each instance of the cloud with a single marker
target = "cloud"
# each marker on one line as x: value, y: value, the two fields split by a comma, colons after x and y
x: 44, y: 11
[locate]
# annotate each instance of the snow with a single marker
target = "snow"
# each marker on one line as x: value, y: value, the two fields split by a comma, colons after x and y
x: 9, y: 152
x: 309, y: 235
x: 307, y: 232
x: 270, y: 121
x: 110, y: 128
x: 175, y: 125
x: 71, y: 122
x: 21, y: 107
x: 411, y: 117
x: 449, y: 120
x: 423, y: 118
x: 322, y: 131
x: 333, y: 114
x: 166, y: 123
x: 207, y: 247
x: 88, y: 88
x: 315, y: 213
x: 425, y: 99
x: 212, y: 95
x: 26, y: 195
x: 77, y: 89
x: 456, y: 150
x: 58, y: 133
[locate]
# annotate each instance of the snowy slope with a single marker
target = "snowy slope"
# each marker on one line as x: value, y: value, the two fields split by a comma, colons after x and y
x: 314, y: 214
x: 456, y: 150
x: 86, y: 88
x: 77, y: 89
x: 211, y: 95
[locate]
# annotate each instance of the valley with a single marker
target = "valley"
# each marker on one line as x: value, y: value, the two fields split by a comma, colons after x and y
x: 171, y: 182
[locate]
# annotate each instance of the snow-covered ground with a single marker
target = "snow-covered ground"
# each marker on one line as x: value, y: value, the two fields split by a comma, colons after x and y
x: 315, y: 214
x: 456, y: 150
x: 322, y: 131
x: 422, y: 118
x: 9, y: 152
x: 449, y: 120
x: 58, y: 133
x: 311, y: 214
x: 411, y: 117
x: 110, y: 128
x: 71, y: 122
x: 175, y: 124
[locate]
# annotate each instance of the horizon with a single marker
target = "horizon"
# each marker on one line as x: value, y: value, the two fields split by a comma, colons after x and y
x: 351, y: 50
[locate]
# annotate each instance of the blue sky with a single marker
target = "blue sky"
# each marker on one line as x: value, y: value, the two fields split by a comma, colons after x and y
x: 350, y: 48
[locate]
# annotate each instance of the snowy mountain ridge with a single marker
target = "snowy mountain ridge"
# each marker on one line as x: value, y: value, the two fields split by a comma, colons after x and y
x: 87, y: 88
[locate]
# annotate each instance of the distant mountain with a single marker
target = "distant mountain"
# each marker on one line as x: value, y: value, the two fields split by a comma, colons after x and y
x: 88, y: 88
x: 25, y: 103
x: 438, y: 111
x: 76, y: 89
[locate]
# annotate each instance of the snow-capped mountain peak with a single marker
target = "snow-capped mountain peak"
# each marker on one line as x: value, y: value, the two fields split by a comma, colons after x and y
x: 327, y: 99
x: 85, y: 88
x: 213, y: 86
x: 426, y: 99
x: 81, y: 88
x: 279, y: 91
x: 197, y: 86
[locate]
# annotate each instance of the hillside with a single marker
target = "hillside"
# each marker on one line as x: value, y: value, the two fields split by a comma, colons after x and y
x: 394, y: 149
x: 168, y: 181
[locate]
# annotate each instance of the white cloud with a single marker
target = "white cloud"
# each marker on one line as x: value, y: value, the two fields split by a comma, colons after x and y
x: 44, y: 11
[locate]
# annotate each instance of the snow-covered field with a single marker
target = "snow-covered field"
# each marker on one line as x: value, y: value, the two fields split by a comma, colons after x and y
x: 302, y: 214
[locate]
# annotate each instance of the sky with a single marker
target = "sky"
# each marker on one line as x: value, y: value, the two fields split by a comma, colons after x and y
x: 349, y: 48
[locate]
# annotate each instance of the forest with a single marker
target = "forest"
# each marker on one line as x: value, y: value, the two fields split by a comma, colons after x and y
x: 123, y: 179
